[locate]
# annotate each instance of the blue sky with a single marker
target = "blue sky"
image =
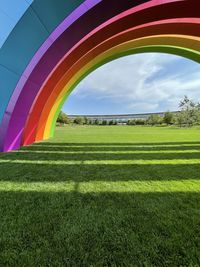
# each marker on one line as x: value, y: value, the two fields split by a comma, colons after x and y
x: 134, y: 84
x: 139, y: 83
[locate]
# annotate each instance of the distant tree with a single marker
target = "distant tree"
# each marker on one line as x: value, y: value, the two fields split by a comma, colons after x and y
x: 131, y: 122
x: 96, y: 122
x: 197, y: 116
x: 190, y: 111
x: 79, y: 120
x: 168, y: 118
x: 154, y: 119
x: 179, y: 119
x: 63, y: 118
x: 140, y: 122
x: 110, y: 122
x: 85, y: 120
x: 104, y: 122
x: 186, y: 104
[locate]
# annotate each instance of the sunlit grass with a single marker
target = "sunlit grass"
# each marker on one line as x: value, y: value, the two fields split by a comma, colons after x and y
x: 188, y: 185
x: 109, y: 151
x: 103, y: 196
x: 113, y: 146
x: 104, y: 162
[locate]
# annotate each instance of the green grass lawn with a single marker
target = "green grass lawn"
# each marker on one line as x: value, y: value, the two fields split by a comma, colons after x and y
x: 103, y: 196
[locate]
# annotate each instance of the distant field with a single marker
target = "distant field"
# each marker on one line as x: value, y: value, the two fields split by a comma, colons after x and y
x: 103, y: 196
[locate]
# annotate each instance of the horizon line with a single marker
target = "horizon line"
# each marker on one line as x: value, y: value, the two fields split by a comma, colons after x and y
x: 126, y: 114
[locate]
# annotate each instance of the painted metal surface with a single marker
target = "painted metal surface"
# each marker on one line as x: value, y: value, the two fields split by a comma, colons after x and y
x: 58, y: 43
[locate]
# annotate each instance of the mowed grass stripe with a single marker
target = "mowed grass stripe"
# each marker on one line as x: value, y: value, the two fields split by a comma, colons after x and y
x: 102, y: 186
x: 103, y: 162
x: 48, y: 145
x: 109, y: 151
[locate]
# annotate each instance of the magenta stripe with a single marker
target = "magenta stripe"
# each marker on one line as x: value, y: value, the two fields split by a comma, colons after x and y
x: 29, y: 84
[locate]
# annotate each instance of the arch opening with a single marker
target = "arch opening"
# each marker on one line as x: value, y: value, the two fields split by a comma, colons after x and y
x: 135, y: 84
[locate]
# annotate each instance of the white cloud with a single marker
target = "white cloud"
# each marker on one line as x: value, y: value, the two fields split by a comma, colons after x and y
x: 143, y: 83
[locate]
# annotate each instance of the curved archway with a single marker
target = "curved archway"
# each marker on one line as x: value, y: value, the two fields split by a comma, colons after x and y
x: 46, y: 123
x: 81, y: 43
x: 67, y: 63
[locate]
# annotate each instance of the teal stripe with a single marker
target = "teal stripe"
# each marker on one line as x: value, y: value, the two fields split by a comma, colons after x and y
x: 23, y: 43
x: 10, y: 14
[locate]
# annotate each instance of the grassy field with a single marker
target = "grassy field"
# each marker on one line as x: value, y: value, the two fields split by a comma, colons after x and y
x: 103, y: 196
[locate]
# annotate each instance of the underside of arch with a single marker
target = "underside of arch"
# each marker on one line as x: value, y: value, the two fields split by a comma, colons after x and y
x: 80, y: 37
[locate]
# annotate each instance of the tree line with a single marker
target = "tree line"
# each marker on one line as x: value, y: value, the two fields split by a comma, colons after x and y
x: 187, y: 116
x: 64, y: 119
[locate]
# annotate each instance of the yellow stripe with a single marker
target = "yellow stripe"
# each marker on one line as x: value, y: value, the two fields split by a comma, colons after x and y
x: 172, y: 40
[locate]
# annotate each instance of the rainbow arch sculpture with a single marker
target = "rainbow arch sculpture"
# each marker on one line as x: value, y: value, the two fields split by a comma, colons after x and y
x: 55, y: 44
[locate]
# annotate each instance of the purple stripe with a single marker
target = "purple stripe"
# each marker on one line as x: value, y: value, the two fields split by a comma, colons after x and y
x: 68, y: 21
x: 43, y: 65
x: 77, y: 13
